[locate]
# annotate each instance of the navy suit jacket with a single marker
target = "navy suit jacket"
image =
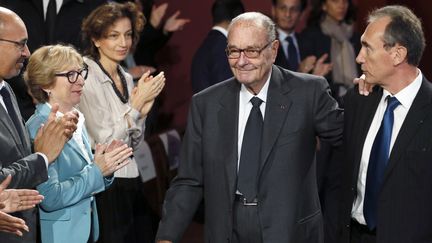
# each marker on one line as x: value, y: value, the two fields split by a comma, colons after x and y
x: 210, y: 63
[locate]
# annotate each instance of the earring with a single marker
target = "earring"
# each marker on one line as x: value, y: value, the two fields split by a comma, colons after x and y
x: 48, y: 93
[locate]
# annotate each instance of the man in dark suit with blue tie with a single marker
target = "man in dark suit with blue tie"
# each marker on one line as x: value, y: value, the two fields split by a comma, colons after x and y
x: 286, y: 14
x: 27, y: 169
x: 249, y: 148
x: 209, y: 64
x: 388, y: 176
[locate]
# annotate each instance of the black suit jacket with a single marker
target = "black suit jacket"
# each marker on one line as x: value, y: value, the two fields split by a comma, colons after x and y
x: 210, y: 63
x: 27, y: 170
x: 67, y: 31
x: 298, y: 108
x: 404, y: 210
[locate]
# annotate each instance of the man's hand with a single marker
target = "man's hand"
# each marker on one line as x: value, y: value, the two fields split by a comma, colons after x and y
x: 11, y: 224
x: 53, y: 135
x: 363, y: 86
x: 12, y: 200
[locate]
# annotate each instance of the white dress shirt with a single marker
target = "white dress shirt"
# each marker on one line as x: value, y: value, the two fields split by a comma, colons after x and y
x: 405, y: 97
x: 245, y: 107
x: 284, y: 43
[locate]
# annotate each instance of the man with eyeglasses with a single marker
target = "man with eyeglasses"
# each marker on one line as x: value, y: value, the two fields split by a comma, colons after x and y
x: 27, y: 169
x: 249, y: 148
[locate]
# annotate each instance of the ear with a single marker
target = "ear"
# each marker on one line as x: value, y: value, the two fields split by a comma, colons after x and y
x: 48, y: 91
x: 274, y: 48
x: 399, y: 54
x: 96, y: 42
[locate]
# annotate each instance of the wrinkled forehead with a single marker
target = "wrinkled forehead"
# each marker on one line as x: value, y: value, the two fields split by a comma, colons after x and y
x: 247, y: 34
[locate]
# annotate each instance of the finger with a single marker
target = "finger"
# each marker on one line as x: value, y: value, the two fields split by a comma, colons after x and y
x: 5, y: 183
x: 52, y: 115
x: 122, y: 164
x: 323, y: 58
x: 174, y: 16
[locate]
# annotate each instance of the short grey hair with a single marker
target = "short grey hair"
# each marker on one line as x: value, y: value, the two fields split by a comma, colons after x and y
x: 259, y: 20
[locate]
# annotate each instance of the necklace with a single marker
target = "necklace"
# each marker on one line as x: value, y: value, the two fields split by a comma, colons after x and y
x: 123, y: 97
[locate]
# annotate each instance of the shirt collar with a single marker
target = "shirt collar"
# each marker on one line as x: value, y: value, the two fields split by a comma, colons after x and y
x: 282, y: 34
x: 406, y: 95
x: 220, y: 29
x: 262, y: 94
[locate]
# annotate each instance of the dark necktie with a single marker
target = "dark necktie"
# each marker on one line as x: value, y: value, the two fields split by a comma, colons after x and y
x: 292, y: 54
x: 377, y: 163
x: 50, y: 21
x: 10, y: 109
x: 250, y: 152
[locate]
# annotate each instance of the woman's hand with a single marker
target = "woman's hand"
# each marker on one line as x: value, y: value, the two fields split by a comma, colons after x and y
x: 110, y: 158
x: 148, y: 87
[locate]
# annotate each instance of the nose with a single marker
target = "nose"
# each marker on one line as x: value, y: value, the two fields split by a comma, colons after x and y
x: 26, y: 52
x: 360, y: 57
x: 122, y: 40
x: 242, y: 60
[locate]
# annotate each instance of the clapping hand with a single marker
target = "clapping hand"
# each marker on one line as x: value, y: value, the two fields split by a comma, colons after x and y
x: 53, y: 135
x: 12, y: 200
x: 148, y: 87
x: 112, y: 157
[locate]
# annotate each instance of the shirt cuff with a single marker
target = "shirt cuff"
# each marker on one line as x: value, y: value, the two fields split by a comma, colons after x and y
x: 134, y: 114
x: 44, y: 157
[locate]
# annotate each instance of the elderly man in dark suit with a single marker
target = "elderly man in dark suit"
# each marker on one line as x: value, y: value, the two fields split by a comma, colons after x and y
x: 209, y: 64
x: 249, y: 148
x: 388, y: 141
x: 28, y: 169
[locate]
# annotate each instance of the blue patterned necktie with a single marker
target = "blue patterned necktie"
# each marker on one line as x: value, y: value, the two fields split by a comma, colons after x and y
x: 292, y: 54
x: 377, y: 163
x: 250, y: 152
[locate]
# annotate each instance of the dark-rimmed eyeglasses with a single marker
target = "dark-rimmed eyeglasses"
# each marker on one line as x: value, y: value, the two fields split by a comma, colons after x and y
x: 233, y: 53
x: 20, y: 44
x: 72, y: 76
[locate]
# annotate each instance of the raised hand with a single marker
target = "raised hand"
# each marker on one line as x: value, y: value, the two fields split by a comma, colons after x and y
x: 12, y: 200
x: 321, y: 68
x: 145, y: 92
x: 53, y: 135
x: 174, y: 24
x: 111, y: 161
x: 157, y: 14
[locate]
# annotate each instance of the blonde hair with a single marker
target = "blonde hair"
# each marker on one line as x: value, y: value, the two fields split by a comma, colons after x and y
x: 44, y: 63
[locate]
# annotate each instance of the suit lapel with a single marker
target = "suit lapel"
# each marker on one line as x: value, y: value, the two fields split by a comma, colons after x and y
x: 414, y: 120
x: 228, y: 120
x: 277, y: 109
x: 21, y: 137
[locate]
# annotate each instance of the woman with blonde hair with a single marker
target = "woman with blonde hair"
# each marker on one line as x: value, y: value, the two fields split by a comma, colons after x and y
x: 55, y: 76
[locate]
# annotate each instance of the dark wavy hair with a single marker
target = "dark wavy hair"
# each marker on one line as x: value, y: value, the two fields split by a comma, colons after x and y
x: 96, y: 25
x: 317, y: 13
